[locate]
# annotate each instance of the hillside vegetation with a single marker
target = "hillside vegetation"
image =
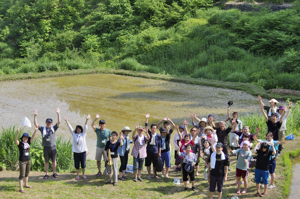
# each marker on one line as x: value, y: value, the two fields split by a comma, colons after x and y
x: 177, y: 37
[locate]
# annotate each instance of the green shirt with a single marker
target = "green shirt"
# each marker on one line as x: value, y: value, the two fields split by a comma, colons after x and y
x: 102, y: 135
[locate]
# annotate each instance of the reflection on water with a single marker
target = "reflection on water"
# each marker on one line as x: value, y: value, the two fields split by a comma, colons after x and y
x: 295, y: 187
x: 120, y: 100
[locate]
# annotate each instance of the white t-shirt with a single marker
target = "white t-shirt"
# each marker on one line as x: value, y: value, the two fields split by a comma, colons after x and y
x: 79, y: 140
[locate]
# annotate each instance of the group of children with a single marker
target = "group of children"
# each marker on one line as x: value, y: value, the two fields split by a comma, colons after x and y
x: 206, y: 139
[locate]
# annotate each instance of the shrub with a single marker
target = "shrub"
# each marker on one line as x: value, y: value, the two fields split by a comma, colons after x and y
x: 131, y: 64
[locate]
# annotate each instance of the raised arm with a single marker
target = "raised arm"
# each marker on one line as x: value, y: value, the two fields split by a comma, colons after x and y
x: 228, y: 112
x: 257, y: 133
x: 93, y: 123
x: 134, y: 131
x: 35, y: 113
x: 34, y: 133
x: 87, y: 119
x: 263, y: 112
x: 257, y: 146
x: 69, y: 125
x: 158, y: 125
x: 57, y: 110
x: 179, y: 134
x: 185, y: 123
x: 196, y: 118
x: 17, y: 136
x: 173, y: 125
x: 146, y: 122
x: 260, y: 100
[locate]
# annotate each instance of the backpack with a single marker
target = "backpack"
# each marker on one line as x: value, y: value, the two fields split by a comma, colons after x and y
x: 159, y: 166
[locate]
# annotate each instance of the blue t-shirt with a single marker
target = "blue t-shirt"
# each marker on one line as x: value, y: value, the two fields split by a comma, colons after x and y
x: 154, y: 148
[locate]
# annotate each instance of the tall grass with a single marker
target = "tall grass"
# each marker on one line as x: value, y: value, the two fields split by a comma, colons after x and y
x: 9, y: 152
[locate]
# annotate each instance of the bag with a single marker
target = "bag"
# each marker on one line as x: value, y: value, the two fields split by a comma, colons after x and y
x: 159, y: 166
x: 290, y: 137
x: 253, y: 162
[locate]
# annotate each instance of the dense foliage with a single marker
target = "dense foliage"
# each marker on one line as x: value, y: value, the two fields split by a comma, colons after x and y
x: 178, y: 37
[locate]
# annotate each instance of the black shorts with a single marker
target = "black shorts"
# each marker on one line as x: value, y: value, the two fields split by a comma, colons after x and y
x: 216, y: 181
x: 177, y: 159
x: 80, y: 158
x: 186, y: 174
x: 151, y: 158
x: 50, y: 152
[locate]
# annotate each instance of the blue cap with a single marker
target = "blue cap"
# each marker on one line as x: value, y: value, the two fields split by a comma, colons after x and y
x: 181, y: 126
x: 210, y: 115
x: 49, y: 120
x: 25, y: 135
x: 220, y: 144
x: 102, y: 122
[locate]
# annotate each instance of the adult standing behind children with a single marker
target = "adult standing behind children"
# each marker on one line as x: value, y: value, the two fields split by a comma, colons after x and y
x: 218, y: 167
x: 48, y: 141
x: 103, y: 135
x: 153, y: 148
x: 222, y: 134
x: 273, y: 124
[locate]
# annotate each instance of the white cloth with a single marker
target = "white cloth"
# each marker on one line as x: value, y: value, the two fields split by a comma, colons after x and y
x: 45, y: 130
x: 285, y: 117
x: 176, y: 138
x: 213, y: 159
x: 272, y: 110
x: 140, y: 139
x: 80, y: 139
x: 26, y: 145
x: 152, y: 142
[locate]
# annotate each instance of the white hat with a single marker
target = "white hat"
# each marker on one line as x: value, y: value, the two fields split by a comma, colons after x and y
x: 126, y: 128
x: 246, y: 142
x: 176, y: 181
x: 273, y: 100
x: 203, y: 120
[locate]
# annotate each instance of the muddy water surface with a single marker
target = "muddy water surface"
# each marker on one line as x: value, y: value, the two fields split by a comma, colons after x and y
x: 120, y: 100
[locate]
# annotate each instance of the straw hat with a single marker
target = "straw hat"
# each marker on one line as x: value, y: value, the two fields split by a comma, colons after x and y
x: 126, y: 128
x: 273, y: 100
x: 208, y: 127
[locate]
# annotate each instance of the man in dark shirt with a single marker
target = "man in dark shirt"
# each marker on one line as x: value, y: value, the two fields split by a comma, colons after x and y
x: 273, y: 125
x: 222, y: 134
x: 153, y: 148
x: 218, y: 166
x: 262, y: 165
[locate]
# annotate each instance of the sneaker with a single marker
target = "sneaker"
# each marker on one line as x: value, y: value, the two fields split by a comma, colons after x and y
x: 229, y: 169
x: 140, y: 179
x: 185, y: 188
x: 271, y: 186
x: 193, y: 188
x: 134, y: 179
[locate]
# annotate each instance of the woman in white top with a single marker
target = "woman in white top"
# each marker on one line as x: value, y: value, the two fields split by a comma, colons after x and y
x: 79, y: 147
